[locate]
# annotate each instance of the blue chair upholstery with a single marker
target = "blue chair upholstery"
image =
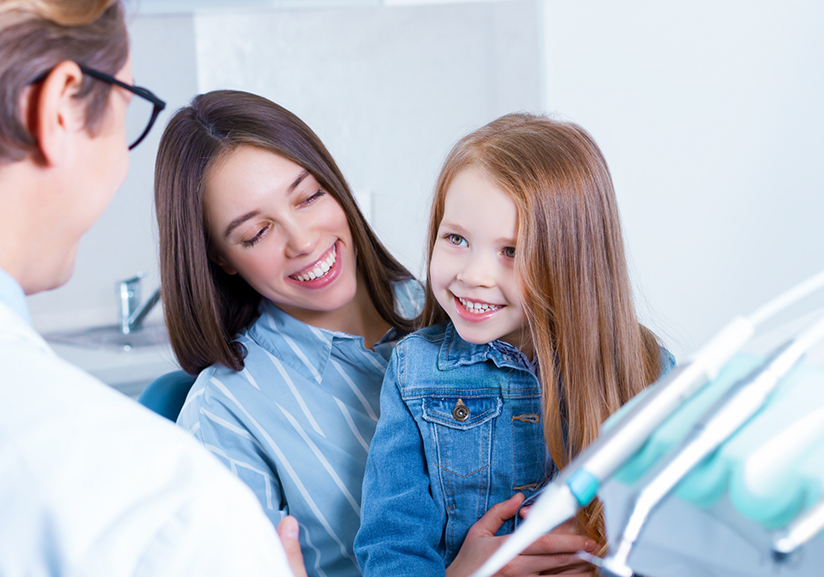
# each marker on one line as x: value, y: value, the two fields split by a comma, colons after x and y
x: 166, y: 394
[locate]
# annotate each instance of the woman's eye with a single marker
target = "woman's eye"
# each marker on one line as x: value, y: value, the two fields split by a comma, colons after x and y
x: 313, y: 198
x: 255, y: 239
x: 456, y: 239
x: 509, y: 252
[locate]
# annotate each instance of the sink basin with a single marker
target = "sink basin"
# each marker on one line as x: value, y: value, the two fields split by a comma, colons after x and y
x: 111, y: 338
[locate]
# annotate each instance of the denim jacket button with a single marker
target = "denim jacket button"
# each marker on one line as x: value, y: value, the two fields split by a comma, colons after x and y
x: 461, y: 411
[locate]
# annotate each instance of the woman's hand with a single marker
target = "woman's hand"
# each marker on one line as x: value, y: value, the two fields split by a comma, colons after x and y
x: 551, y: 554
x: 288, y: 532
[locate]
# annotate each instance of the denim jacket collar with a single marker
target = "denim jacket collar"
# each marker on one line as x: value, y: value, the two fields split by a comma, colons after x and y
x: 456, y: 352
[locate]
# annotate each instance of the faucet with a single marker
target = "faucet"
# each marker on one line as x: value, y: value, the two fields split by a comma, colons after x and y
x: 132, y: 312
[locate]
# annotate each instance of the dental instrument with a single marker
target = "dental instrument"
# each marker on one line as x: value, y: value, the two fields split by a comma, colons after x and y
x: 798, y: 533
x: 719, y: 423
x: 577, y: 485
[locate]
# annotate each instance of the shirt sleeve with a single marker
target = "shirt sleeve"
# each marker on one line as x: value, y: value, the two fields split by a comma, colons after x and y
x: 217, y: 419
x: 400, y: 524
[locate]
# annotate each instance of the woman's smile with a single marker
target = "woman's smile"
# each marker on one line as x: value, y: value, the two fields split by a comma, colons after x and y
x: 321, y: 273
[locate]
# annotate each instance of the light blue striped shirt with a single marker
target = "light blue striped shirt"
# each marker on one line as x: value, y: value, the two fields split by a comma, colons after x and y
x: 295, y: 424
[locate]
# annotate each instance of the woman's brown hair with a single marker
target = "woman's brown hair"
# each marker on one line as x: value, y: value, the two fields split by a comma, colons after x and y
x: 592, y: 352
x: 37, y: 35
x: 206, y: 308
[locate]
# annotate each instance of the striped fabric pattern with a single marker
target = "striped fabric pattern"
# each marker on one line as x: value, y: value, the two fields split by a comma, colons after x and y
x: 295, y: 424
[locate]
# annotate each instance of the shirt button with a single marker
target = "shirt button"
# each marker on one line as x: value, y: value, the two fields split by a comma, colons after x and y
x: 461, y: 411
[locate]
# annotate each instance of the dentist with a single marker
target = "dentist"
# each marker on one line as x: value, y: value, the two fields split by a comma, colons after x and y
x: 90, y: 482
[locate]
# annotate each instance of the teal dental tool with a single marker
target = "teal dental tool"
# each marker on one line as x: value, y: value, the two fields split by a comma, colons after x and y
x: 727, y: 415
x: 576, y: 486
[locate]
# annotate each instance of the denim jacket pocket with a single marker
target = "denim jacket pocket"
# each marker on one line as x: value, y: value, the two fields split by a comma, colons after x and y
x: 462, y: 430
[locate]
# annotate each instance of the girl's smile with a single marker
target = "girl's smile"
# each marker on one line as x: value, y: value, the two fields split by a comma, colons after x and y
x: 475, y: 311
x: 472, y: 270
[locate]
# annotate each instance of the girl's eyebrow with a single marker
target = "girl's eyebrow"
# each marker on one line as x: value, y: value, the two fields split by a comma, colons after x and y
x: 458, y: 229
x: 452, y: 226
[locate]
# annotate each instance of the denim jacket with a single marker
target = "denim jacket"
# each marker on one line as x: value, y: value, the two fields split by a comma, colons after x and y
x: 460, y: 430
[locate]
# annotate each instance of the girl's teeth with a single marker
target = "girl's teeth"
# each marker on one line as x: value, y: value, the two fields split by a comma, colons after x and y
x: 320, y: 270
x: 474, y: 307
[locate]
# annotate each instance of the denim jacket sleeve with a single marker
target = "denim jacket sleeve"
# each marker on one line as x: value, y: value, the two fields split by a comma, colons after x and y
x: 400, y: 522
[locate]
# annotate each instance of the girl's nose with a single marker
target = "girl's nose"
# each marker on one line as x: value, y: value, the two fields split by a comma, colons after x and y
x: 477, y: 271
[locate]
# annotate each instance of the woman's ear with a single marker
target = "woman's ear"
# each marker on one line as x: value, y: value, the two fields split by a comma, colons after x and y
x: 54, y: 115
x: 218, y: 259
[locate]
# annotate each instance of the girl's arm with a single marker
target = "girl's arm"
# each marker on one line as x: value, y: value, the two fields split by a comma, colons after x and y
x: 400, y: 523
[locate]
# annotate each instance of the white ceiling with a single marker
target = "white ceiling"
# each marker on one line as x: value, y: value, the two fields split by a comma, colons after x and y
x: 191, y: 6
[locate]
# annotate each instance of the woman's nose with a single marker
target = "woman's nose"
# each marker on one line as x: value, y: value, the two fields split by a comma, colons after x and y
x: 300, y: 239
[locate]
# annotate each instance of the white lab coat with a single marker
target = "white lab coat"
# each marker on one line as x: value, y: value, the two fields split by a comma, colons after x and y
x: 93, y: 484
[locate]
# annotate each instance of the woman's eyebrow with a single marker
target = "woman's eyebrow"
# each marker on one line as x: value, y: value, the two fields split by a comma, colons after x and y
x: 238, y: 221
x: 298, y: 180
x: 241, y: 219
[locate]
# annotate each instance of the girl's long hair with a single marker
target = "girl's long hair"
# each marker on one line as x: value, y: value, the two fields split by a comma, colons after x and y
x: 205, y: 308
x: 593, y: 354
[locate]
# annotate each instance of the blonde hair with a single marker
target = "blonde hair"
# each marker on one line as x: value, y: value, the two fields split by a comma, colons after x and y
x: 61, y: 12
x: 37, y: 35
x: 592, y: 352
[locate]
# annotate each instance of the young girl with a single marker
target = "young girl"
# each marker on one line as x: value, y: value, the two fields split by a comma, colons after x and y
x: 531, y: 343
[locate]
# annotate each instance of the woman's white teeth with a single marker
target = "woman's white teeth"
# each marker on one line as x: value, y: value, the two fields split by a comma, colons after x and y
x: 474, y: 307
x: 320, y: 269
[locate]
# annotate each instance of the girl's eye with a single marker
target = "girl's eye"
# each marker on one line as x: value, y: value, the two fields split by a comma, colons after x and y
x: 255, y: 239
x: 456, y: 239
x: 313, y: 198
x: 509, y: 252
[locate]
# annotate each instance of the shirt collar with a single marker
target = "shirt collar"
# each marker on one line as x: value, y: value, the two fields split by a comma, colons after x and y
x: 307, y: 349
x: 12, y: 295
x: 456, y: 352
x: 303, y: 347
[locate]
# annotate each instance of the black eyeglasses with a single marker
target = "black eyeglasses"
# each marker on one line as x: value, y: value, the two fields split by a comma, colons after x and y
x: 139, y: 117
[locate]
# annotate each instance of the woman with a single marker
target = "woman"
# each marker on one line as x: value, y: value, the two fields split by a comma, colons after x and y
x: 279, y: 294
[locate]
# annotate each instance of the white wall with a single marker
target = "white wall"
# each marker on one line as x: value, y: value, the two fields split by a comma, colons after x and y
x: 708, y: 113
x: 710, y: 116
x: 388, y: 89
